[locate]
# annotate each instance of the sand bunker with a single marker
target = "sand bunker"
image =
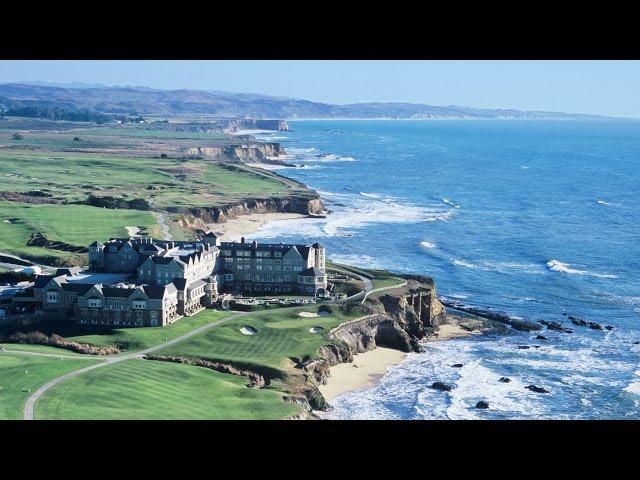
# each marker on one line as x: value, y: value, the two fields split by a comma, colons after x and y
x: 313, y: 314
x: 316, y: 329
x: 247, y: 330
x: 132, y: 231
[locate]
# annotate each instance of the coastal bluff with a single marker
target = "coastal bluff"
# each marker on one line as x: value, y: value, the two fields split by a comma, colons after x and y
x: 396, y: 319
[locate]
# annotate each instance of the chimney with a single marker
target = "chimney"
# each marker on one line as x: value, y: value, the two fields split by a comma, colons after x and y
x: 242, y: 240
x: 254, y: 244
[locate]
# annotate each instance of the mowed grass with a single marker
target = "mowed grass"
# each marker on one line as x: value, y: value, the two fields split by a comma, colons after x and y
x: 21, y: 375
x: 77, y: 225
x: 133, y: 339
x: 169, y: 182
x: 281, y: 334
x: 128, y: 339
x: 152, y: 390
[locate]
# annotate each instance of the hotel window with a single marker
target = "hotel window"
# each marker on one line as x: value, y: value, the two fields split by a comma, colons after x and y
x: 247, y: 276
x: 53, y: 297
x: 259, y: 267
x: 139, y: 304
x: 94, y: 302
x: 287, y: 278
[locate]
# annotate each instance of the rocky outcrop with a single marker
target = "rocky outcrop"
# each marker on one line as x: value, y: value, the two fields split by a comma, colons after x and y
x: 253, y: 152
x: 409, y: 315
x: 304, y: 204
x: 516, y: 324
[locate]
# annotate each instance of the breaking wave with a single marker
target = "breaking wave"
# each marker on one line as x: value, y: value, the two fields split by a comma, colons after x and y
x: 558, y: 266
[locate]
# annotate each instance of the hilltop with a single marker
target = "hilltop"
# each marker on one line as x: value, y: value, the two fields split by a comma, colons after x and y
x: 136, y: 100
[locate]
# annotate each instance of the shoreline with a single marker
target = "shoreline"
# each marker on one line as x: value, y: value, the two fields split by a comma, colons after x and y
x: 246, y: 225
x: 368, y: 368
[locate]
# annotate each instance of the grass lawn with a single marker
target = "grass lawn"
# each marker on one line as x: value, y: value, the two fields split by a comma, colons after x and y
x: 131, y: 339
x: 382, y: 281
x: 140, y: 389
x: 77, y: 225
x: 21, y: 373
x: 281, y: 334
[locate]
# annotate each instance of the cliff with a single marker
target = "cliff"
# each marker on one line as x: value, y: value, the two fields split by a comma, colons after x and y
x: 195, y: 217
x: 251, y: 152
x: 399, y: 320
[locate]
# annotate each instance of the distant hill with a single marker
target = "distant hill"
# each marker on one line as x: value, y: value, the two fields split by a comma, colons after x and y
x: 142, y: 100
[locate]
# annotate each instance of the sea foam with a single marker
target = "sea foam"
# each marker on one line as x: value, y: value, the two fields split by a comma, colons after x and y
x: 558, y: 266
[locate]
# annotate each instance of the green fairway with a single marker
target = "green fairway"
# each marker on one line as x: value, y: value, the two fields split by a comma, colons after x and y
x: 78, y: 225
x: 128, y: 339
x: 20, y: 374
x: 152, y: 390
x: 384, y: 281
x: 281, y: 334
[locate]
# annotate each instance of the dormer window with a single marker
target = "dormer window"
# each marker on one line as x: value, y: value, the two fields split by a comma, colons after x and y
x: 94, y: 302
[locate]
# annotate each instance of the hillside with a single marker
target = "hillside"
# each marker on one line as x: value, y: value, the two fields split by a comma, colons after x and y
x: 141, y: 101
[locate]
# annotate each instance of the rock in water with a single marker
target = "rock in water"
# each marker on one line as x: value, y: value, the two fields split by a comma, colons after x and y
x: 457, y: 365
x: 609, y: 327
x: 524, y: 347
x: 541, y: 337
x: 482, y: 404
x: 595, y: 326
x: 536, y: 389
x: 504, y: 379
x: 441, y: 386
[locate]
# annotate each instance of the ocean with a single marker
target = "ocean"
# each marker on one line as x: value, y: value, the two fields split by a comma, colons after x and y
x: 531, y: 218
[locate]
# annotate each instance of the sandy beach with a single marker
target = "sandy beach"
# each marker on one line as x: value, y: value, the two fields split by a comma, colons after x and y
x: 247, y: 225
x: 368, y: 367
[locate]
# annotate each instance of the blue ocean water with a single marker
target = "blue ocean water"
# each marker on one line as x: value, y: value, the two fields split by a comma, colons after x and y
x: 532, y: 218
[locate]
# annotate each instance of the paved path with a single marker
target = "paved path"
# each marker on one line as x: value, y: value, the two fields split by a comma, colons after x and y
x: 162, y: 218
x: 31, y: 401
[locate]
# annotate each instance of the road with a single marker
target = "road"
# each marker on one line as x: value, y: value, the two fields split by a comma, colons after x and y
x: 31, y: 401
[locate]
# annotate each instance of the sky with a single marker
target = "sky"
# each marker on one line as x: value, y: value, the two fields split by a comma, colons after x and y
x: 595, y: 87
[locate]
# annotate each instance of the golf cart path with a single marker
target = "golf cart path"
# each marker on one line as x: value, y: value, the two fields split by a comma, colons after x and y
x: 31, y: 401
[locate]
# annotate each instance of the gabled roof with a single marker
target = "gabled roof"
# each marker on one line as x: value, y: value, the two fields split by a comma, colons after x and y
x: 196, y: 284
x: 79, y: 288
x: 96, y: 244
x: 117, y: 292
x: 157, y: 292
x: 312, y: 272
x: 69, y: 271
x: 41, y: 281
x: 317, y: 245
x: 180, y: 283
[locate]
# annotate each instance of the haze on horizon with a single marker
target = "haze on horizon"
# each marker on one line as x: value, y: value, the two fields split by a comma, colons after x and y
x: 590, y: 87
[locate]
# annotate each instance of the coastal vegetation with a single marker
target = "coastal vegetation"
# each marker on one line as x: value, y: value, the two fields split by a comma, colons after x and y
x: 76, y: 182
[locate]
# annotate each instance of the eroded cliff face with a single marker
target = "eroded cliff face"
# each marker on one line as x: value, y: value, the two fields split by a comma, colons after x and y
x: 241, y: 153
x: 198, y: 217
x: 407, y: 315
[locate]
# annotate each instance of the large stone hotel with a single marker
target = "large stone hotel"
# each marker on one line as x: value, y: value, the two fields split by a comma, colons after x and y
x: 144, y: 282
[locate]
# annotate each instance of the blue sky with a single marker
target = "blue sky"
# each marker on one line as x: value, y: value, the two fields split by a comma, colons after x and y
x: 599, y: 87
